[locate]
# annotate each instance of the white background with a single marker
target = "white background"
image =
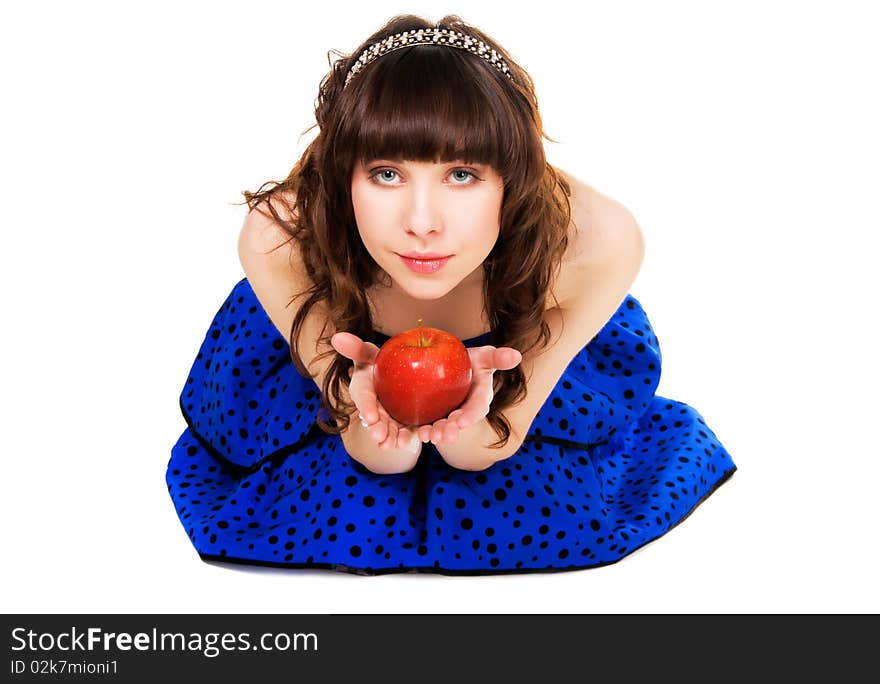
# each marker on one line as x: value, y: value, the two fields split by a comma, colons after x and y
x: 742, y: 135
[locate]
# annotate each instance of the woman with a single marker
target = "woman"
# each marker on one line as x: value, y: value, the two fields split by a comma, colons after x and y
x: 427, y: 195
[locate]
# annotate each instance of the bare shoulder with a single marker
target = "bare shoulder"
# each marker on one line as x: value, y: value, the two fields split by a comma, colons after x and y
x: 603, y: 232
x: 261, y: 233
x: 273, y: 263
x: 599, y: 223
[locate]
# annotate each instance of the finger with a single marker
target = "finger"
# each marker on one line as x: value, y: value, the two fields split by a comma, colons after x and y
x: 363, y: 394
x: 489, y: 358
x: 450, y: 432
x: 483, y: 360
x: 380, y: 434
x: 368, y: 406
x: 506, y: 358
x: 354, y: 348
x: 405, y: 438
x: 437, y: 431
x: 458, y: 417
x: 477, y: 405
x: 425, y: 433
x: 399, y: 439
x: 390, y: 441
x: 379, y: 431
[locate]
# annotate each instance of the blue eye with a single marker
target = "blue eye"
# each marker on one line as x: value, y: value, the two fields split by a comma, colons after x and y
x: 381, y: 171
x: 467, y: 174
x: 377, y: 176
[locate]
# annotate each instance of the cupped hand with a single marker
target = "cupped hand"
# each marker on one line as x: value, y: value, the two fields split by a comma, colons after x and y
x: 383, y: 429
x: 484, y: 362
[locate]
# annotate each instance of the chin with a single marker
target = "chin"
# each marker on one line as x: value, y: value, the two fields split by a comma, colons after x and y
x: 426, y: 292
x: 424, y: 288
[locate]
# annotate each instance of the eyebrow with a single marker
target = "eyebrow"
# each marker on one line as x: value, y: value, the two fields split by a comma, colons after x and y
x: 384, y: 160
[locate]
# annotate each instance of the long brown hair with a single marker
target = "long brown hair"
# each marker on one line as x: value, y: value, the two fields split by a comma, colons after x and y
x: 424, y: 103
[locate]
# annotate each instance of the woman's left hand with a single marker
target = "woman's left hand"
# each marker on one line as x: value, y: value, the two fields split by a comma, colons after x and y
x: 484, y: 362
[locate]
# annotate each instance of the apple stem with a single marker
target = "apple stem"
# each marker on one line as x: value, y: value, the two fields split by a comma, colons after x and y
x: 421, y: 338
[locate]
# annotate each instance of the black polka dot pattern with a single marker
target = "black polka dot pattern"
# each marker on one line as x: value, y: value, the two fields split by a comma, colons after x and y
x: 244, y: 396
x: 607, y: 467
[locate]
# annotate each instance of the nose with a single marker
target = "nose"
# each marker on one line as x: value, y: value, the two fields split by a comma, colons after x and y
x: 423, y: 215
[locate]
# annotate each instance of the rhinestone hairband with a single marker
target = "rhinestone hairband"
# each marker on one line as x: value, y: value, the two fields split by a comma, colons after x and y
x: 428, y: 37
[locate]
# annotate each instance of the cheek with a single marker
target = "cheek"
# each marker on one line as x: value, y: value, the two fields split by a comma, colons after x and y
x: 372, y: 204
x: 485, y: 221
x: 366, y: 214
x: 489, y: 206
x: 358, y: 204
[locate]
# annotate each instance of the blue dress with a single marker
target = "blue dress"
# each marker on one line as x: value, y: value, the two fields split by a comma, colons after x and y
x: 607, y: 466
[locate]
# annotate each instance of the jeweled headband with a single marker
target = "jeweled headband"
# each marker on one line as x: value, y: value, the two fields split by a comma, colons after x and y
x: 428, y: 36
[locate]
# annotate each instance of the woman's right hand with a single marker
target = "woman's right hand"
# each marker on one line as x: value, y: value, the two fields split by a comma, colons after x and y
x: 383, y: 429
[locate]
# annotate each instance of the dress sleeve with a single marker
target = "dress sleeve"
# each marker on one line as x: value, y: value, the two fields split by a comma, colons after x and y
x: 608, y: 385
x: 244, y: 399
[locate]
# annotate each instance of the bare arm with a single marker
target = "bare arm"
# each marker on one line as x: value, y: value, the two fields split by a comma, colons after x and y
x: 277, y: 274
x: 471, y: 450
x: 606, y: 257
x: 542, y: 371
x: 364, y: 449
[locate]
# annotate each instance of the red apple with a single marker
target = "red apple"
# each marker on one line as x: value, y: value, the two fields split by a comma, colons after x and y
x: 421, y: 375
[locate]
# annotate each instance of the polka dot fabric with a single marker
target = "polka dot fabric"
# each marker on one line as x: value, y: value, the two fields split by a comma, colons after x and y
x: 607, y: 466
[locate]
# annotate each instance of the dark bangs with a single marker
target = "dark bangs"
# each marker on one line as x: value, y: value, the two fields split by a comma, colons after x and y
x: 433, y: 104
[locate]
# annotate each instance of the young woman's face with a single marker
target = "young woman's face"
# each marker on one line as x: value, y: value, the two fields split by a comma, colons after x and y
x: 449, y: 209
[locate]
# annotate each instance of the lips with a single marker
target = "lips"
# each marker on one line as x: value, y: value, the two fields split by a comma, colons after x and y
x: 424, y: 256
x: 424, y: 263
